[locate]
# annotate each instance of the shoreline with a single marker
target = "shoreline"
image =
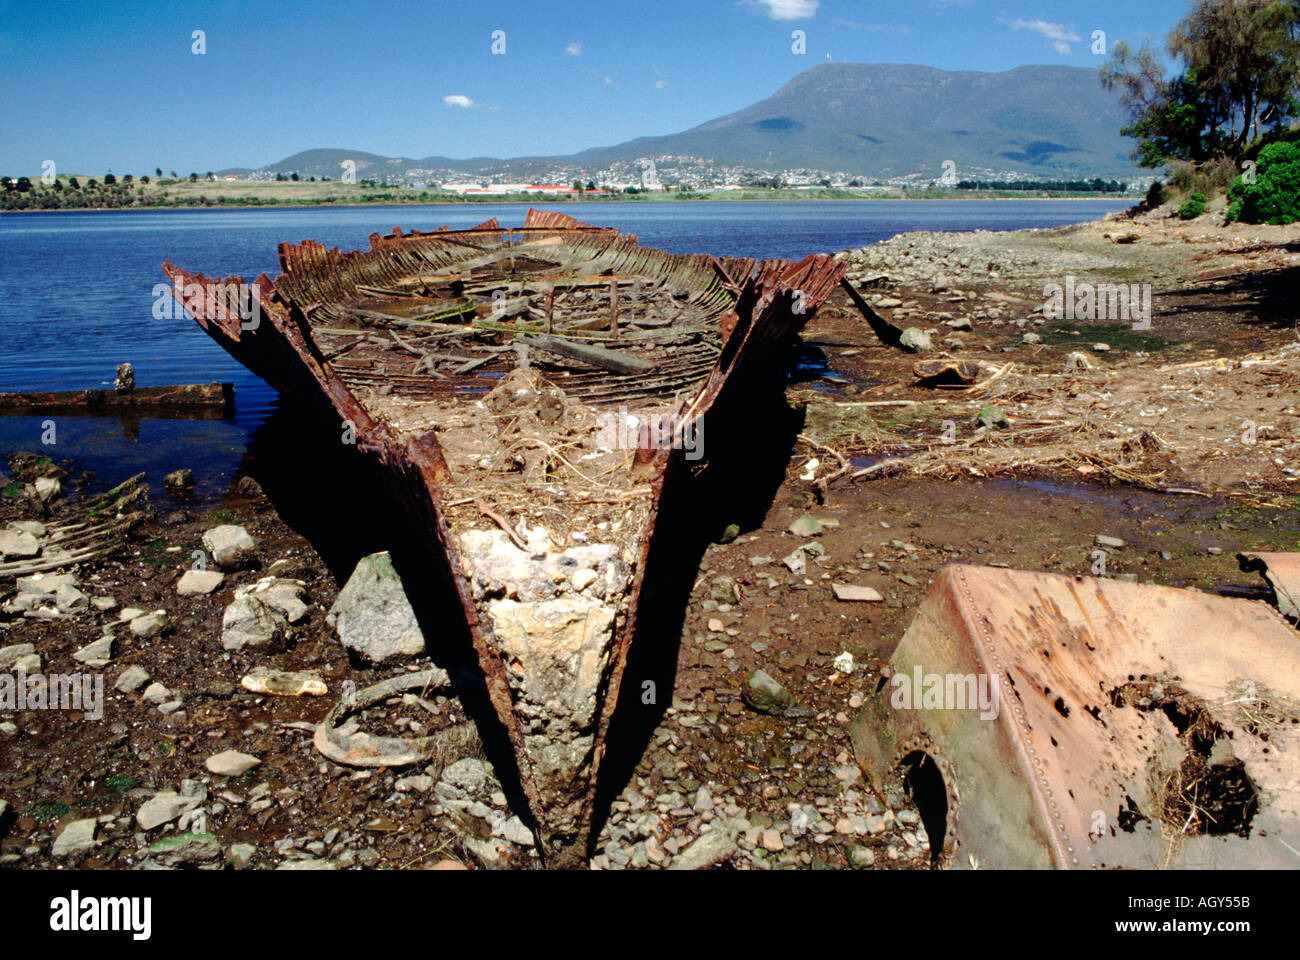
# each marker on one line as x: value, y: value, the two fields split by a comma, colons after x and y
x: 217, y: 208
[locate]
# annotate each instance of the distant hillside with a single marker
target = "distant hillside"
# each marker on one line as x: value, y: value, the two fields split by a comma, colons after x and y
x: 877, y: 120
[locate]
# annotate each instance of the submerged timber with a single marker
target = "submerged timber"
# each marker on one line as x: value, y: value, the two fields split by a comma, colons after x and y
x: 529, y: 394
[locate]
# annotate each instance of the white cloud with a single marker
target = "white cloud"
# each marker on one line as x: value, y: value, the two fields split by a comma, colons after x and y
x: 787, y: 9
x: 459, y: 100
x: 1060, y: 35
x: 661, y: 84
x: 574, y: 49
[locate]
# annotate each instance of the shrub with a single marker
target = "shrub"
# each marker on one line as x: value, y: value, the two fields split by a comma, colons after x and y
x: 1193, y: 208
x: 1155, y: 196
x: 1274, y: 197
x: 1209, y: 177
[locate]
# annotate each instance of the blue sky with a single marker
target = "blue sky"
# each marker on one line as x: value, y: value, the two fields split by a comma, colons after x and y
x: 117, y: 86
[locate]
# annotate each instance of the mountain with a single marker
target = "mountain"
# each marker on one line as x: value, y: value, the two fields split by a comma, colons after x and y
x: 894, y: 119
x: 876, y: 120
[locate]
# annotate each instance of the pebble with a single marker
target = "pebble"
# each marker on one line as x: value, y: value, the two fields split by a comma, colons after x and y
x: 231, y: 763
x: 856, y: 594
x: 77, y: 836
x: 199, y: 582
x: 150, y: 624
x: 132, y: 679
x: 706, y: 851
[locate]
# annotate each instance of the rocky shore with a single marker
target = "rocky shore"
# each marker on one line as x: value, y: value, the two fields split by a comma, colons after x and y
x: 220, y: 638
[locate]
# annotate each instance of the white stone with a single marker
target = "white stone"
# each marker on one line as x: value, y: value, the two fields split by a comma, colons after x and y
x: 229, y: 545
x: 132, y: 679
x: 77, y: 836
x: 199, y: 582
x: 164, y: 808
x: 149, y: 625
x: 231, y: 763
x: 849, y: 593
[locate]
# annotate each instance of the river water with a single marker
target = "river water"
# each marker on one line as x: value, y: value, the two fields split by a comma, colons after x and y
x: 78, y: 293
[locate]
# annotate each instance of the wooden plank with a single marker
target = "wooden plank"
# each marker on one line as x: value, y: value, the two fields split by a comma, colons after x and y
x: 612, y: 360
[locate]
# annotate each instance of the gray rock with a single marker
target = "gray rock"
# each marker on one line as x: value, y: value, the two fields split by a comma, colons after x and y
x: 372, y: 615
x: 993, y: 418
x: 199, y: 582
x: 45, y: 584
x: 156, y: 693
x: 806, y: 527
x: 708, y: 850
x: 99, y: 652
x: 1077, y: 361
x: 515, y: 831
x: 855, y: 594
x: 164, y: 808
x: 1031, y: 339
x: 229, y: 545
x: 764, y: 694
x: 48, y: 488
x: 468, y: 775
x: 10, y: 655
x: 149, y: 625
x: 18, y: 545
x: 132, y: 679
x: 420, y: 783
x: 915, y: 340
x: 1113, y: 543
x: 231, y: 763
x: 307, y: 865
x: 286, y: 598
x: 77, y: 836
x: 248, y: 622
x: 240, y: 855
x: 69, y: 599
x: 184, y: 848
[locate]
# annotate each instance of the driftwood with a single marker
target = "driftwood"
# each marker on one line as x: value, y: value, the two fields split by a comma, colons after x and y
x: 219, y: 397
x: 611, y: 360
x: 882, y: 328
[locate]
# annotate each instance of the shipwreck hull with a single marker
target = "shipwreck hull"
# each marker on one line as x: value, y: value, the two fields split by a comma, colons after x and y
x: 527, y: 394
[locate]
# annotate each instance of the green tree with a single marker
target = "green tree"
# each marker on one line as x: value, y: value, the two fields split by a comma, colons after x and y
x: 24, y: 185
x: 294, y: 177
x: 1240, y: 70
x: 591, y: 185
x: 1274, y: 196
x: 109, y: 179
x: 194, y: 178
x: 157, y: 172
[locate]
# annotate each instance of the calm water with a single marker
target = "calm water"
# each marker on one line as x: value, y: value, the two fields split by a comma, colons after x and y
x: 77, y: 292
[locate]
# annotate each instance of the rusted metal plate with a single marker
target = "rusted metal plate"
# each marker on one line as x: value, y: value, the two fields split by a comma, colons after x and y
x: 1089, y: 723
x: 1282, y: 571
